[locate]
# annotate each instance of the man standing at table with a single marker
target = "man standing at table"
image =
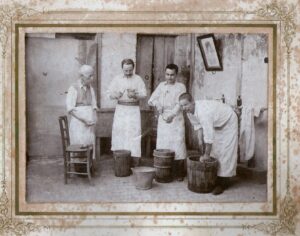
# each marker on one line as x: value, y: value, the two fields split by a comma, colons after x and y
x: 217, y: 123
x: 128, y: 89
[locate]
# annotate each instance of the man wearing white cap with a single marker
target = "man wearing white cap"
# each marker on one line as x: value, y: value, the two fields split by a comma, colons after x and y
x: 82, y: 106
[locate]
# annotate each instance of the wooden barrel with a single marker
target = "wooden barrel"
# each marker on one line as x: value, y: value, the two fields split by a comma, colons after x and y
x: 201, y: 175
x: 122, y: 161
x: 163, y: 159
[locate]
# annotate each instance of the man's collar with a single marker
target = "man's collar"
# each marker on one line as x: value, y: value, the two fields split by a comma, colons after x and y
x: 166, y: 83
x: 124, y: 76
x: 81, y: 86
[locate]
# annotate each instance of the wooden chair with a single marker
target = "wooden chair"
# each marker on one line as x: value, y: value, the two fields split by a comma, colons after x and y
x: 75, y: 154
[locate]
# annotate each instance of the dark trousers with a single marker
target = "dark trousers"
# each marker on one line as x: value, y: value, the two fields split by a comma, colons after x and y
x: 178, y: 169
x: 135, y: 161
x: 223, y: 181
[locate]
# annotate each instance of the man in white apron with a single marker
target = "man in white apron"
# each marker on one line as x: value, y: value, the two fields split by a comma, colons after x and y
x: 127, y: 88
x: 170, y: 128
x: 217, y: 123
x: 82, y: 107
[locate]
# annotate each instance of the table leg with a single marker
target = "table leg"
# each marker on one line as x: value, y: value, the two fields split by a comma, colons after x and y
x: 98, y: 148
x: 148, y: 146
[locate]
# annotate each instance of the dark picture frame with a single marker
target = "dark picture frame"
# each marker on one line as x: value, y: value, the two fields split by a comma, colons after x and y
x: 209, y: 52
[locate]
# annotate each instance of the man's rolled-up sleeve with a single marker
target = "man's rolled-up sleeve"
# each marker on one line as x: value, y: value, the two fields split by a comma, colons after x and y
x: 176, y: 109
x: 208, y: 130
x: 154, y: 99
x: 194, y: 121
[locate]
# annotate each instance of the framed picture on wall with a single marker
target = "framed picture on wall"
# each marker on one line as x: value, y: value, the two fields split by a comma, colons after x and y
x: 210, y: 55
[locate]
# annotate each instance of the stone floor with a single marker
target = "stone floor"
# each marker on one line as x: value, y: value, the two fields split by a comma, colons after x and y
x: 45, y: 183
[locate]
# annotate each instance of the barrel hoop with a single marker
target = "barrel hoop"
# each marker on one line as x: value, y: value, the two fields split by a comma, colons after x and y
x: 162, y: 167
x: 165, y: 153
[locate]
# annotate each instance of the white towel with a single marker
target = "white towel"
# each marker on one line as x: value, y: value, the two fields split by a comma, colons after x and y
x: 247, y: 132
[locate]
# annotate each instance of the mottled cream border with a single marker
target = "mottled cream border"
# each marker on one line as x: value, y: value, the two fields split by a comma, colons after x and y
x: 221, y: 215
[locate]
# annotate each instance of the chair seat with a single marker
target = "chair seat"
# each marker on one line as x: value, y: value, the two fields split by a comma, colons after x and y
x: 77, y: 148
x: 77, y: 158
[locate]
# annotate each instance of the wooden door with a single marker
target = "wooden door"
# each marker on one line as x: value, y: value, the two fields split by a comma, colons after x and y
x: 153, y: 55
x: 164, y: 51
x: 144, y: 64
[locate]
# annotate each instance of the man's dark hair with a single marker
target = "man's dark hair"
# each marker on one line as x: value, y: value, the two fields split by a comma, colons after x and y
x: 186, y: 96
x: 172, y: 67
x: 127, y: 61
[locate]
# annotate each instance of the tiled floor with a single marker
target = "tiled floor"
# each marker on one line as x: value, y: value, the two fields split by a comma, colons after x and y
x: 45, y: 183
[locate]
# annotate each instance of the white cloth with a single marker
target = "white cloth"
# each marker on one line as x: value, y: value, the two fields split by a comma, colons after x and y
x: 170, y: 135
x: 220, y: 128
x: 80, y: 133
x: 247, y: 132
x: 126, y: 130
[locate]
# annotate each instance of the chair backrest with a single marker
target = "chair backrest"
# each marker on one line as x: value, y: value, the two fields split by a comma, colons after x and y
x: 64, y: 131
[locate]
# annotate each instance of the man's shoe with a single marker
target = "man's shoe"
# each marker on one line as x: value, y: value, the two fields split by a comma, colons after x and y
x: 179, y: 179
x: 218, y: 190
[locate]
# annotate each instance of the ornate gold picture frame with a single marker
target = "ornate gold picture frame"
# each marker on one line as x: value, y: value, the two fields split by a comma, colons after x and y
x: 275, y: 216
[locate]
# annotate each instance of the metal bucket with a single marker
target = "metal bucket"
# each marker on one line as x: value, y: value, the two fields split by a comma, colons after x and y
x: 202, y: 175
x: 122, y: 161
x: 143, y: 177
x: 163, y: 160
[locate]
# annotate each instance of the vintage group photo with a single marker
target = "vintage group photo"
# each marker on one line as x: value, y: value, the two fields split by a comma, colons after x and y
x: 128, y: 117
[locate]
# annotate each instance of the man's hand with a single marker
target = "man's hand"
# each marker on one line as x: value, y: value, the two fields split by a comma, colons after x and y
x: 89, y: 122
x: 131, y: 93
x: 159, y: 109
x: 169, y: 118
x: 205, y: 157
x: 116, y: 95
x: 119, y: 94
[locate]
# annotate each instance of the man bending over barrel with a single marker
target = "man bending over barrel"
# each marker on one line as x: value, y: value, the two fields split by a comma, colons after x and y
x: 216, y: 124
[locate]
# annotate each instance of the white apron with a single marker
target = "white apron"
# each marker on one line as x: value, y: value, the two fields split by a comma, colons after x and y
x: 172, y: 136
x: 126, y: 129
x: 80, y: 133
x: 225, y: 146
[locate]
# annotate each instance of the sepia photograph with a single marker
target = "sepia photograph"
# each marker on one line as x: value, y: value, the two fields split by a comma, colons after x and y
x: 149, y: 118
x: 122, y: 117
x: 174, y: 117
